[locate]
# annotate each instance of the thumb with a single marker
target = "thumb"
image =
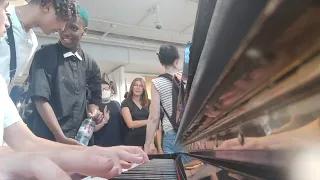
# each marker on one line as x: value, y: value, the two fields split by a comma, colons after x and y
x: 90, y: 115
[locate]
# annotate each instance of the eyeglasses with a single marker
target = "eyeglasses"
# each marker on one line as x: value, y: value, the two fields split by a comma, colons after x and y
x: 138, y: 85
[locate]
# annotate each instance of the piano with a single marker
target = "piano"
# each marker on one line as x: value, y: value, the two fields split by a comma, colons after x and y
x: 252, y: 97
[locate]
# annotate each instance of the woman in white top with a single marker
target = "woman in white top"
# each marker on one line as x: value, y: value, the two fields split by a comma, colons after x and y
x: 30, y: 157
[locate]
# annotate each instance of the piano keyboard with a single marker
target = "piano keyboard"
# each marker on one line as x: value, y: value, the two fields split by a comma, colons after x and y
x: 152, y: 170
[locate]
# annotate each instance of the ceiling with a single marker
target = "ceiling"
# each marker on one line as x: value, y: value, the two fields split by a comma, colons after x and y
x: 133, y: 22
x: 135, y: 19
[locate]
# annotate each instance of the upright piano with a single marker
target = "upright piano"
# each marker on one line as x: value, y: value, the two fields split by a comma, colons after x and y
x: 252, y: 99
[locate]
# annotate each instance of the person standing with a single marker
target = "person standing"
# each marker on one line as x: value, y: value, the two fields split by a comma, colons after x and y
x: 135, y: 112
x: 62, y: 79
x: 162, y: 97
x: 20, y: 42
x: 111, y: 131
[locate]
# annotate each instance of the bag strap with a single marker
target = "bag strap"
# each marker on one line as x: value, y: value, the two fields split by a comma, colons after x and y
x: 167, y: 76
x: 174, y: 83
x: 13, y: 55
x: 164, y: 110
x: 171, y: 78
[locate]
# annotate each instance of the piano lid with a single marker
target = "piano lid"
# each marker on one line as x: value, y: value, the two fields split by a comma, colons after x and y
x: 251, y: 50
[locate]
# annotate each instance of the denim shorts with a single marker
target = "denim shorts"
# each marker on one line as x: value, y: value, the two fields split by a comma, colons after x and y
x: 169, y: 145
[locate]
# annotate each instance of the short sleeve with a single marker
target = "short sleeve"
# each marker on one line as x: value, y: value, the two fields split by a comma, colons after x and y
x: 156, y: 83
x: 11, y: 114
x: 40, y: 78
x: 125, y: 103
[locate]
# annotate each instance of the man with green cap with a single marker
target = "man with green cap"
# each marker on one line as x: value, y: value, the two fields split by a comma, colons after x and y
x: 64, y: 85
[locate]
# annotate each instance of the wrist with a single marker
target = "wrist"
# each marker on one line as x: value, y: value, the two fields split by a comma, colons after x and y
x: 59, y: 135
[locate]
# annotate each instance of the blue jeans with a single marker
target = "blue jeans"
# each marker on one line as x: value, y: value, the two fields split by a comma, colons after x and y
x: 169, y: 145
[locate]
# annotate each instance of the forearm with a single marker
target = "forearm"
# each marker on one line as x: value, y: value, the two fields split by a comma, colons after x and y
x: 99, y: 126
x: 45, y: 144
x: 151, y: 129
x: 47, y: 114
x: 137, y: 123
x: 26, y: 141
x: 5, y: 150
x: 159, y: 139
x: 159, y: 136
x: 40, y: 144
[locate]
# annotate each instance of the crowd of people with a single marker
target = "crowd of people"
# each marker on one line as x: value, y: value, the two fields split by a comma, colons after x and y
x: 65, y: 88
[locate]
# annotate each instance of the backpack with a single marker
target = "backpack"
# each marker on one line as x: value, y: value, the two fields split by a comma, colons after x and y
x: 175, y: 115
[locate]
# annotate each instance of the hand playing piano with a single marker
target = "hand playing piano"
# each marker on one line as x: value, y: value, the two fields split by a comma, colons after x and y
x: 97, y: 161
x: 122, y: 157
x: 150, y: 148
x: 57, y: 164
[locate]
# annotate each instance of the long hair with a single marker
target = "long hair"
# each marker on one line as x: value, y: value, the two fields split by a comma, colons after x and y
x: 144, y: 96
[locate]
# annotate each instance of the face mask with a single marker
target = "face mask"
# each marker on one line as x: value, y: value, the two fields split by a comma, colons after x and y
x: 106, y: 95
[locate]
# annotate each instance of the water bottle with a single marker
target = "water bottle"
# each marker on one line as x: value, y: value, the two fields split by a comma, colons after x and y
x: 85, y: 131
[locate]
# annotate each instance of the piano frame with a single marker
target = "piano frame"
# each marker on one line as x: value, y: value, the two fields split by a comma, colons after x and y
x: 254, y: 68
x: 253, y: 65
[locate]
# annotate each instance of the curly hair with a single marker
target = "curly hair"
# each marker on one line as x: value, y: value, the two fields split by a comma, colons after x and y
x: 66, y: 10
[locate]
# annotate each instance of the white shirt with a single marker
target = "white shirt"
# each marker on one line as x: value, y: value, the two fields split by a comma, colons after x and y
x: 68, y: 54
x: 8, y: 112
x: 26, y: 44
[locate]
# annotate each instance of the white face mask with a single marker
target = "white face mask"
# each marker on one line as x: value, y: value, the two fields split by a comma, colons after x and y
x: 106, y: 95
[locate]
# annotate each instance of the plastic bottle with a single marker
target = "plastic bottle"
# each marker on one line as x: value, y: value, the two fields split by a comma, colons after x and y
x: 85, y: 131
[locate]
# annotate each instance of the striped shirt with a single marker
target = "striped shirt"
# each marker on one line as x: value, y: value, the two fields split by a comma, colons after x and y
x: 164, y: 87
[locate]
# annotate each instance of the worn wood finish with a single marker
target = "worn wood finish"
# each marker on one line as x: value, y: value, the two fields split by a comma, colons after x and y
x: 285, y: 36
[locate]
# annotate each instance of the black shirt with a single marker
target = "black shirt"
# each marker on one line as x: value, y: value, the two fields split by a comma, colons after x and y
x: 136, y: 136
x: 62, y: 79
x: 110, y: 134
